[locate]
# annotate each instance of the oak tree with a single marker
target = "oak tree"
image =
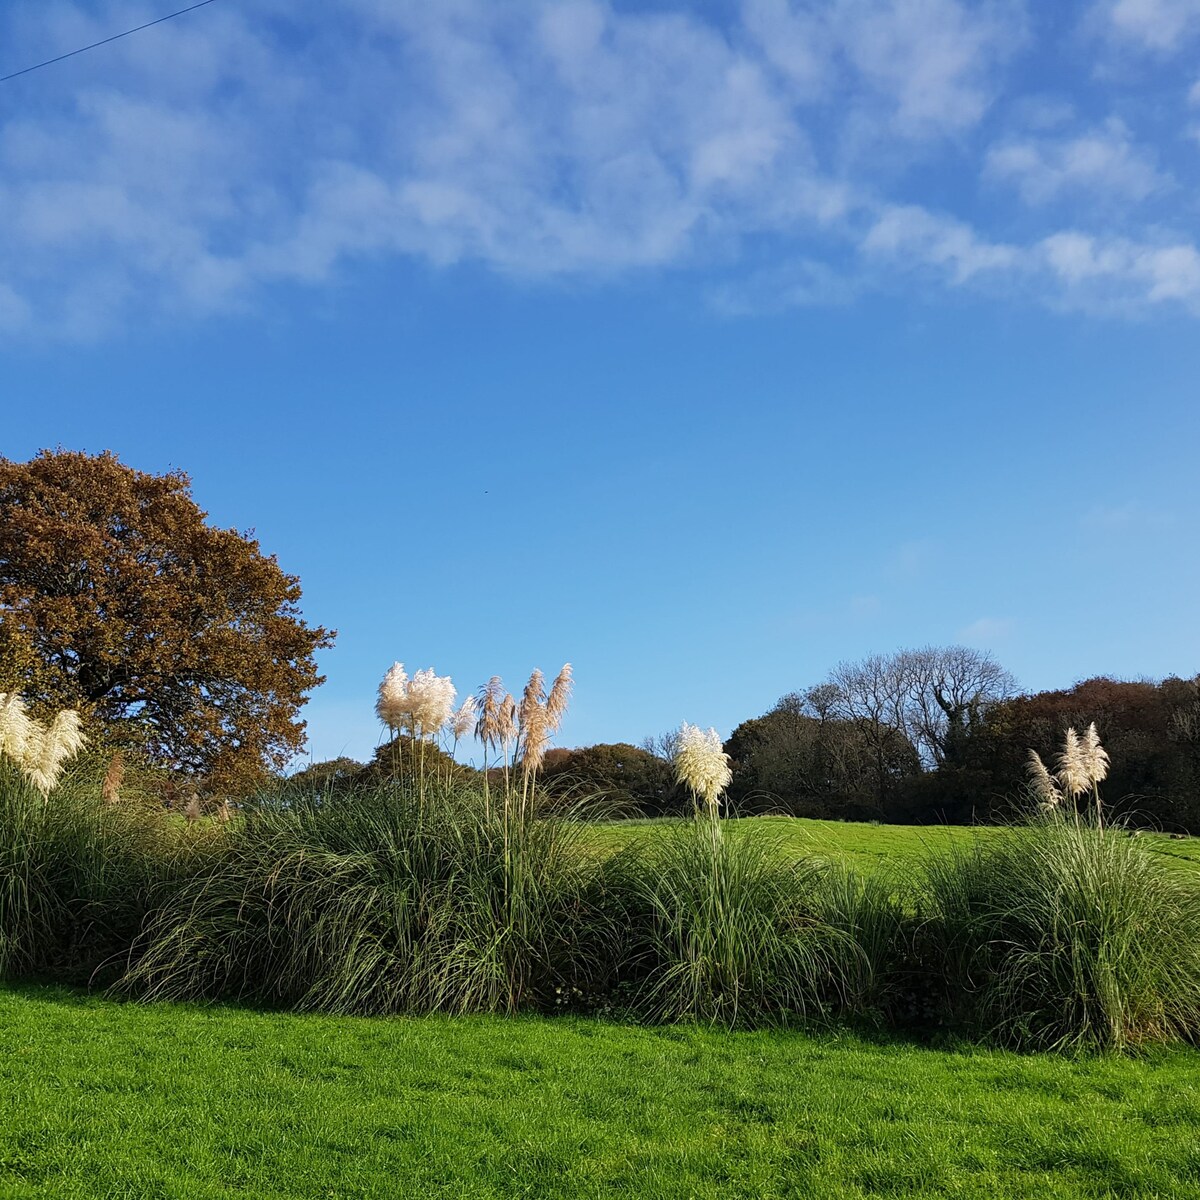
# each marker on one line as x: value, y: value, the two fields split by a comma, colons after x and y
x: 117, y: 597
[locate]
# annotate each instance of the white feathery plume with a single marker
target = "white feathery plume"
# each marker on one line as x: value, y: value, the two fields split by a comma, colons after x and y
x: 17, y: 728
x: 487, y: 727
x: 560, y: 696
x: 532, y: 699
x: 1072, y: 769
x: 1095, y: 757
x: 1043, y: 782
x: 462, y: 721
x: 508, y: 719
x: 46, y: 753
x: 393, y: 697
x: 531, y: 715
x: 430, y: 702
x: 419, y: 706
x: 536, y: 733
x: 702, y: 765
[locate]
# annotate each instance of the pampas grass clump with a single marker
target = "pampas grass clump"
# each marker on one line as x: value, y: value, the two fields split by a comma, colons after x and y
x: 737, y: 931
x: 78, y: 876
x: 385, y: 902
x: 1064, y: 935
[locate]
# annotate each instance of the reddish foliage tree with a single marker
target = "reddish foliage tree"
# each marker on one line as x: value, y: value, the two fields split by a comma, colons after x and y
x: 1150, y: 730
x: 116, y: 598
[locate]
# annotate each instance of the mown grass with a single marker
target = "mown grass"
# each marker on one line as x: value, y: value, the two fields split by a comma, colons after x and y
x: 103, y: 1099
x: 865, y: 845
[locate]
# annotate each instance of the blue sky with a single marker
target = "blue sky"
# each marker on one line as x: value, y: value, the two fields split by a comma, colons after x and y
x: 703, y: 346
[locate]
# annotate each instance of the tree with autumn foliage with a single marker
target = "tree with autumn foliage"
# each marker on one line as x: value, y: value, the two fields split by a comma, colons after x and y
x: 177, y: 639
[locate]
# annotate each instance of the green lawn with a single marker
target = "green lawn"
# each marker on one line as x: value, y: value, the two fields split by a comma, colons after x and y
x: 99, y: 1099
x: 865, y: 845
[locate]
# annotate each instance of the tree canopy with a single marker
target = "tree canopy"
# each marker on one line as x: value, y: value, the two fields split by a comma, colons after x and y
x: 184, y: 641
x: 627, y: 776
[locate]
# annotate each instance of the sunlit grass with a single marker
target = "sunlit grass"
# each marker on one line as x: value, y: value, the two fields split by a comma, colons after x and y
x: 120, y: 1100
x: 865, y: 844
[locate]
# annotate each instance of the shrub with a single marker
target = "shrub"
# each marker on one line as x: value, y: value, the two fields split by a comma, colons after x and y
x: 77, y: 877
x: 630, y: 778
x: 737, y: 931
x: 1063, y: 935
x: 378, y: 902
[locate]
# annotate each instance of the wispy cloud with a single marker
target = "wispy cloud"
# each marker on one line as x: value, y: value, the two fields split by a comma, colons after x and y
x: 986, y: 631
x: 1161, y: 25
x: 1102, y: 163
x: 1132, y: 517
x: 911, y: 561
x: 189, y: 169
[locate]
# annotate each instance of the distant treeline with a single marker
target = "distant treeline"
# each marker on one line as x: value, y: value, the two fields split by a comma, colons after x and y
x: 930, y: 736
x: 937, y: 735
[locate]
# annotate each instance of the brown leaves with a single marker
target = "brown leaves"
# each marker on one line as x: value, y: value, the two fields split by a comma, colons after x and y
x: 186, y: 641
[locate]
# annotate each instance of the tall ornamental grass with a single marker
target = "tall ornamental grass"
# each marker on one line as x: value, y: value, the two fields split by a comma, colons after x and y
x: 738, y: 931
x: 77, y: 876
x: 402, y: 899
x: 735, y: 929
x: 1064, y: 935
x: 432, y: 894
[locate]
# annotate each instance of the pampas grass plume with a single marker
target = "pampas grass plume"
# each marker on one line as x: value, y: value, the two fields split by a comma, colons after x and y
x: 535, y: 729
x: 1042, y: 781
x: 508, y: 719
x: 532, y: 698
x: 110, y: 789
x: 421, y: 705
x: 1072, y: 766
x: 702, y: 765
x: 1095, y: 757
x: 17, y: 728
x: 47, y: 752
x: 430, y: 701
x: 393, y: 694
x: 463, y: 720
x: 491, y: 699
x: 560, y: 697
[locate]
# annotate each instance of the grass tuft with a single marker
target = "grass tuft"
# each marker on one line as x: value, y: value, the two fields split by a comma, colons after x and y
x: 382, y: 902
x: 1064, y: 935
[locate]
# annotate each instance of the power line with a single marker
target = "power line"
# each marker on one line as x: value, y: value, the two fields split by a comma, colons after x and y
x: 104, y: 41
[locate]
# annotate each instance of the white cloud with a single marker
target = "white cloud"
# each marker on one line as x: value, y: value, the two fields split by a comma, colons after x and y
x: 1156, y: 24
x: 910, y: 236
x: 1108, y: 275
x: 933, y: 58
x: 1103, y: 163
x: 187, y: 169
x: 919, y: 68
x: 1117, y: 273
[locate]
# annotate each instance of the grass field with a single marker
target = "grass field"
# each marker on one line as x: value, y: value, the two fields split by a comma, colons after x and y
x: 101, y: 1099
x: 869, y: 846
